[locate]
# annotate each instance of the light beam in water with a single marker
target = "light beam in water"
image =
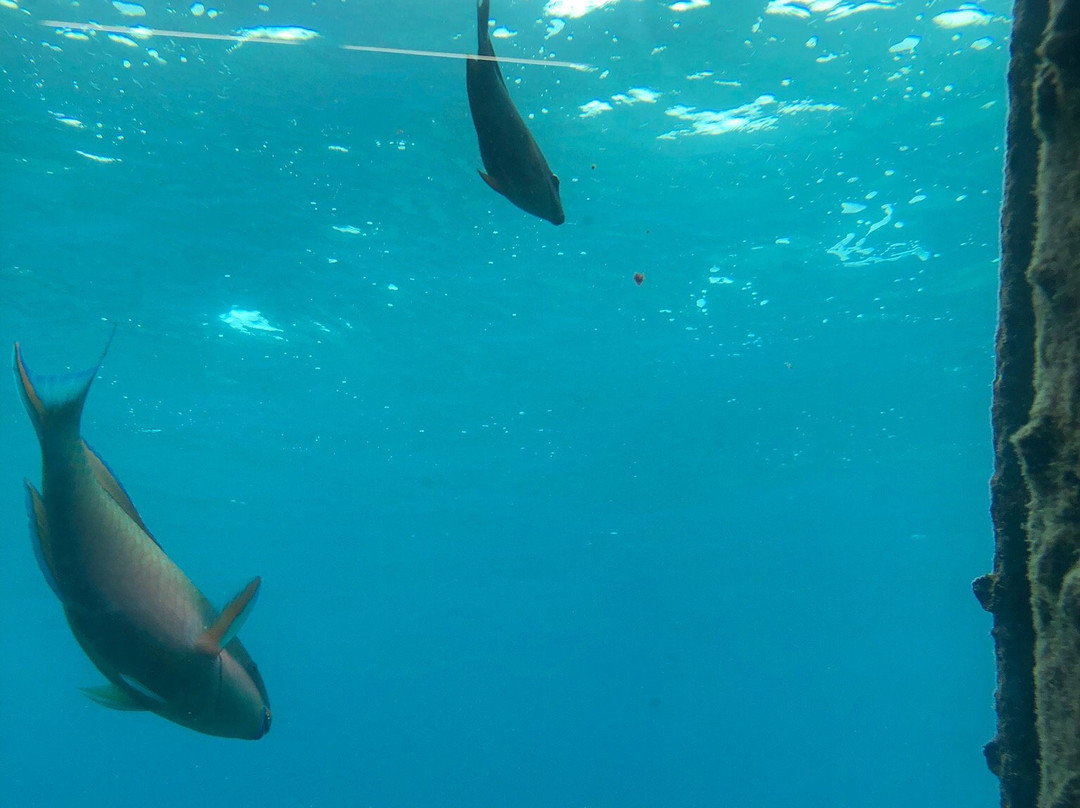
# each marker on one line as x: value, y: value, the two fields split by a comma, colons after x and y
x: 142, y: 32
x: 446, y: 55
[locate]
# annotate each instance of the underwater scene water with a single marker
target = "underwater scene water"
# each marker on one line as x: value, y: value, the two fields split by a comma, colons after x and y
x: 532, y: 531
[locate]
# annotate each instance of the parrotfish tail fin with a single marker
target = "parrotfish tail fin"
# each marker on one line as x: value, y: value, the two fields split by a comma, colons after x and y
x: 55, y: 403
x: 230, y: 621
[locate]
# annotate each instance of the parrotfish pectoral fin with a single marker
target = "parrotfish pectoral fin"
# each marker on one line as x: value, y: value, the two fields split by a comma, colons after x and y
x: 143, y: 690
x: 112, y: 697
x: 55, y: 402
x: 230, y: 620
x: 39, y: 535
x: 491, y: 182
x: 107, y: 480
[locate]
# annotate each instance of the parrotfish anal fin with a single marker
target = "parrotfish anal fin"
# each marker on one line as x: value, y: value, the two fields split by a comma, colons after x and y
x: 491, y: 182
x: 39, y: 535
x: 107, y: 480
x: 230, y: 620
x: 112, y: 697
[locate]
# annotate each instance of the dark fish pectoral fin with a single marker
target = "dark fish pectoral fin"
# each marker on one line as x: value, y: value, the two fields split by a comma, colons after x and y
x: 112, y: 697
x: 492, y: 183
x: 230, y: 620
x: 39, y: 535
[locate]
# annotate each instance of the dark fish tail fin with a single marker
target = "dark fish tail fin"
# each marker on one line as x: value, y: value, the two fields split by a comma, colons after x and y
x: 483, y: 38
x: 55, y: 403
x: 483, y: 14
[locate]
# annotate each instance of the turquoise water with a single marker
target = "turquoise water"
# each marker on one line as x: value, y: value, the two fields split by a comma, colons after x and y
x: 530, y: 534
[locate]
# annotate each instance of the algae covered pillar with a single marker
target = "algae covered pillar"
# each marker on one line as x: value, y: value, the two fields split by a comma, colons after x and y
x: 1034, y: 590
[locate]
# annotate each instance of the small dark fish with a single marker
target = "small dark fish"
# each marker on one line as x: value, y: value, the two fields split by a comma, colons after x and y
x: 158, y: 641
x: 515, y: 166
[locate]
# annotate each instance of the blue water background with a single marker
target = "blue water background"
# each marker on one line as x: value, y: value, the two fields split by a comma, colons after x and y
x: 530, y: 534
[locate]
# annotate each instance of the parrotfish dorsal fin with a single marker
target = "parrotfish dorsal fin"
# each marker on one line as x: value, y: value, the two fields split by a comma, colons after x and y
x: 55, y: 403
x: 230, y: 620
x: 107, y: 480
x: 39, y: 536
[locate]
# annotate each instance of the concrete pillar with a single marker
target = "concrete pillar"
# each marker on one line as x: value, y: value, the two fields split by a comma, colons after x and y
x: 1034, y: 590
